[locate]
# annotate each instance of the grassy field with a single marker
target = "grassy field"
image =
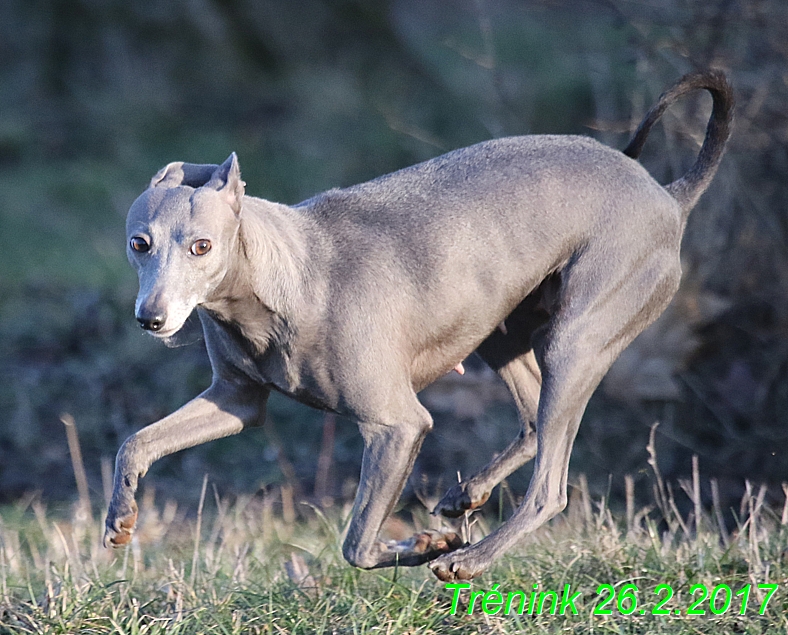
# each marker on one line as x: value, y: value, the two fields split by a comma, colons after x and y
x: 256, y: 565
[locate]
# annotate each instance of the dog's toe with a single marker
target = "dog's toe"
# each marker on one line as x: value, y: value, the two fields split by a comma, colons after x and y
x: 428, y: 542
x: 419, y: 548
x: 457, y: 501
x: 119, y: 529
x: 459, y: 565
x: 436, y: 541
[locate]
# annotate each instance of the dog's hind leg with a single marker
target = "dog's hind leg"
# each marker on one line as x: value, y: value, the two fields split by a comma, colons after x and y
x: 390, y: 449
x: 508, y: 351
x: 599, y: 317
x: 524, y: 381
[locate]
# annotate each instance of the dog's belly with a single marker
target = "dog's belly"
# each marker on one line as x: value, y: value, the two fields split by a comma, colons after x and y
x: 440, y: 346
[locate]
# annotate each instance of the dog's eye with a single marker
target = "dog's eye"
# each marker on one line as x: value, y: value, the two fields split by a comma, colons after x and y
x: 139, y: 244
x: 201, y: 247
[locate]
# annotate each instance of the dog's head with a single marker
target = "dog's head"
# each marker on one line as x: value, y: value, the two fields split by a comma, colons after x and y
x: 179, y: 236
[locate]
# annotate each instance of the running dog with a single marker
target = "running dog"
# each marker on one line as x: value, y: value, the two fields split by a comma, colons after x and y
x: 544, y: 255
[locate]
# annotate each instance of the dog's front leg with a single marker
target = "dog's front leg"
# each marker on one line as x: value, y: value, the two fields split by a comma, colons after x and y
x: 226, y: 408
x: 389, y: 453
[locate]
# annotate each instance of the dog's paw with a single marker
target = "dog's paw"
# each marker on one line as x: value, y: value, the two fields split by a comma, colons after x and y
x: 431, y: 542
x: 460, y: 565
x: 119, y: 525
x: 458, y: 500
x: 419, y: 548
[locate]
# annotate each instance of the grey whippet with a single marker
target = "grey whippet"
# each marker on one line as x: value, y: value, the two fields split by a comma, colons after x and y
x: 545, y: 255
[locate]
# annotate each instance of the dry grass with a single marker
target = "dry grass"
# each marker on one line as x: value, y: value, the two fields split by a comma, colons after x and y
x: 240, y: 567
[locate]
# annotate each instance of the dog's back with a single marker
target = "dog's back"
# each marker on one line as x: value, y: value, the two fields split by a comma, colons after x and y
x: 446, y: 249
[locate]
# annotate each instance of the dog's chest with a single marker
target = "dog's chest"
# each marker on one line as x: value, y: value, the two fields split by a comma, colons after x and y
x: 272, y: 361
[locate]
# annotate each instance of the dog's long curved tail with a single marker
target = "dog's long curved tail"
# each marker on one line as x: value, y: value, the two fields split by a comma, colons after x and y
x: 688, y: 189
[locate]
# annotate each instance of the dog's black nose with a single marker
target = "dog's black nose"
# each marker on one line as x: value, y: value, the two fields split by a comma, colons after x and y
x: 151, y: 322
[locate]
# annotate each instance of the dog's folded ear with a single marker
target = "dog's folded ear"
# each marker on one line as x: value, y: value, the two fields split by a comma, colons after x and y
x: 226, y: 180
x: 180, y: 173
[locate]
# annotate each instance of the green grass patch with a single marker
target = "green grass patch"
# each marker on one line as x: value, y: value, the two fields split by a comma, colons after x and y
x: 240, y: 567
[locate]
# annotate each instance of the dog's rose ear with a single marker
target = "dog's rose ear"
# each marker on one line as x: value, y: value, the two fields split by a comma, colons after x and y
x: 227, y: 181
x: 180, y: 173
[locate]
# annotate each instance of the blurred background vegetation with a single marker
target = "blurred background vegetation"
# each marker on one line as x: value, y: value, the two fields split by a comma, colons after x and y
x: 96, y: 95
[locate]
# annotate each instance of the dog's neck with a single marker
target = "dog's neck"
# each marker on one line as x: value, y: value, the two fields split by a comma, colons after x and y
x: 273, y: 240
x: 268, y: 274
